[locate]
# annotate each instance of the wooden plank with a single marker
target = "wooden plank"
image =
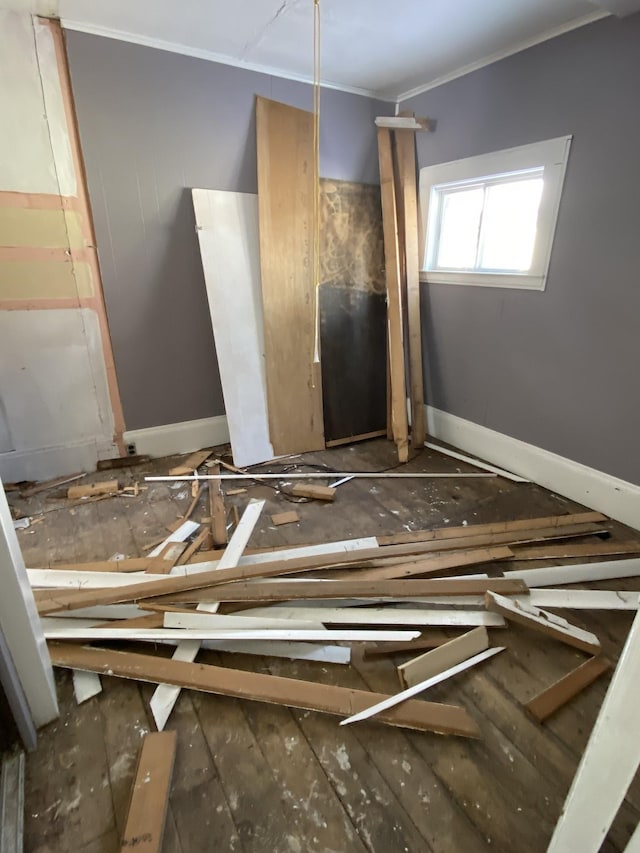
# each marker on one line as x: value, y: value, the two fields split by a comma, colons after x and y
x: 476, y: 462
x: 585, y: 599
x: 166, y: 695
x: 217, y: 510
x: 419, y: 617
x: 191, y: 463
x: 558, y: 694
x: 242, y: 621
x: 191, y: 549
x: 392, y: 701
x: 281, y: 518
x: 526, y: 524
x: 443, y: 657
x: 609, y: 762
x: 386, y: 589
x: 406, y: 151
x: 547, y: 623
x: 285, y: 204
x: 282, y: 649
x: 130, y: 564
x: 197, y: 635
x: 565, y: 550
x: 394, y: 295
x: 133, y: 591
x: 144, y: 828
x: 106, y: 487
x: 315, y: 492
x: 436, y: 564
x: 578, y: 573
x: 351, y: 439
x: 311, y: 696
x: 227, y: 228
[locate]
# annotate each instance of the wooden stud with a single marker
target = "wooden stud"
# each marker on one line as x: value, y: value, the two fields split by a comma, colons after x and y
x: 406, y: 150
x: 310, y: 490
x: 307, y: 695
x: 444, y: 657
x: 144, y: 827
x: 394, y: 295
x: 546, y: 623
x: 562, y: 691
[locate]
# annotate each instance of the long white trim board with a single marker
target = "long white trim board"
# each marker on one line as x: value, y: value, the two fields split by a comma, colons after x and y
x: 610, y: 495
x: 227, y: 227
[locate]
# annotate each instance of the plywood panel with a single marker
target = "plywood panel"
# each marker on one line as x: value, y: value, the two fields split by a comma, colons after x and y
x: 227, y: 225
x: 285, y: 202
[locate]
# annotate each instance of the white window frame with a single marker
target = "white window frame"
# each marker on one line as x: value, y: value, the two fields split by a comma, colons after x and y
x: 550, y: 156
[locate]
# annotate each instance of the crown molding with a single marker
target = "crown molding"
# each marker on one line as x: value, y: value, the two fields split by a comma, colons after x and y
x: 211, y: 56
x: 591, y: 18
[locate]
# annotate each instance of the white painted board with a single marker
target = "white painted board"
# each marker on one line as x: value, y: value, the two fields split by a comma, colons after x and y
x: 227, y: 227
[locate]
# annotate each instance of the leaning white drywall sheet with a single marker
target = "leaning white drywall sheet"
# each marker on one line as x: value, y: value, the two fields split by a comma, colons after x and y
x: 227, y: 226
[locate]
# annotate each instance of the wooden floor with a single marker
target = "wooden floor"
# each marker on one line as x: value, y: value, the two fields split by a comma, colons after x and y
x: 263, y: 779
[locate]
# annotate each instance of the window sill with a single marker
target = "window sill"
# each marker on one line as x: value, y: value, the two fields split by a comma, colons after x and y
x: 476, y: 279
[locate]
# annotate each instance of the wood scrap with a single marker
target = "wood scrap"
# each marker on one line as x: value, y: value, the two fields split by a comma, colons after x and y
x: 443, y: 657
x: 306, y: 695
x: 313, y: 491
x: 191, y: 463
x: 281, y: 518
x: 144, y: 827
x: 419, y: 617
x: 546, y: 623
x: 186, y: 529
x: 217, y: 510
x: 435, y: 564
x: 566, y: 688
x: 578, y: 573
x: 232, y: 492
x: 197, y: 635
x: 404, y: 123
x: 106, y: 487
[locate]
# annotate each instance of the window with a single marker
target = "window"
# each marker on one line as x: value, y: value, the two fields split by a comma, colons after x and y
x: 490, y: 220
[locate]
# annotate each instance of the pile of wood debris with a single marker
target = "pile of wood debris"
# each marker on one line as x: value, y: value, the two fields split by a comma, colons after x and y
x: 313, y: 602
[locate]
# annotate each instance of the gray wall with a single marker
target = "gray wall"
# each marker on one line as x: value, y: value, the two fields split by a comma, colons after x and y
x: 557, y: 369
x: 154, y: 124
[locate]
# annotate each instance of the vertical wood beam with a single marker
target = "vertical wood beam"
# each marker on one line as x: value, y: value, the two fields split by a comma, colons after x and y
x: 399, y: 421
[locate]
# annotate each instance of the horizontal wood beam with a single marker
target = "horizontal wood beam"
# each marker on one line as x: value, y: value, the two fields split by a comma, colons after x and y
x: 307, y: 695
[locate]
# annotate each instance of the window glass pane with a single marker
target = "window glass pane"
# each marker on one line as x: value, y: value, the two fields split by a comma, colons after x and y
x: 509, y: 223
x: 459, y: 229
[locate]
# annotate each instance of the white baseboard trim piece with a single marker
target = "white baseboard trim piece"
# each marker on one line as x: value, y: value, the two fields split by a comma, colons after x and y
x: 616, y: 498
x: 184, y: 437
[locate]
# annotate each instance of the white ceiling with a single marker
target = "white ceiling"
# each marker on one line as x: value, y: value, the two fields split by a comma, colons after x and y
x: 382, y: 47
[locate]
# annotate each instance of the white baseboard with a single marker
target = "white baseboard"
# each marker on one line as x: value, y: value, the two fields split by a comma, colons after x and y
x: 595, y: 489
x: 185, y: 437
x: 49, y: 462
